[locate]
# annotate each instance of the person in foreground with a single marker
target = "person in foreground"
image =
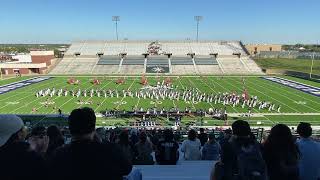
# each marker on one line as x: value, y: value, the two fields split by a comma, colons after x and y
x: 281, y: 154
x: 211, y: 150
x: 191, y: 147
x: 85, y: 157
x: 309, y: 162
x: 19, y: 159
x: 167, y: 150
x: 241, y: 156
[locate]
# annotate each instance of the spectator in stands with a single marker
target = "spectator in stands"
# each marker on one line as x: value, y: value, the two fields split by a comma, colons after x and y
x: 167, y: 149
x: 155, y: 137
x: 241, y: 156
x: 134, y: 136
x: 203, y: 137
x: 39, y: 140
x: 226, y: 136
x: 125, y: 144
x: 102, y: 135
x: 85, y: 157
x: 191, y: 146
x: 281, y: 154
x: 55, y: 139
x: 211, y: 150
x: 143, y: 150
x: 18, y: 160
x: 309, y: 162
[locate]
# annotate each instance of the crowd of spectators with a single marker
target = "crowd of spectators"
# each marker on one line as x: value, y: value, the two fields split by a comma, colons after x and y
x: 45, y: 153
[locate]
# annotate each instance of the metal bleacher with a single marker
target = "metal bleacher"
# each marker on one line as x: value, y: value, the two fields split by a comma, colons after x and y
x: 185, y: 57
x: 133, y: 60
x: 157, y: 60
x: 109, y: 60
x: 179, y: 60
x: 205, y: 60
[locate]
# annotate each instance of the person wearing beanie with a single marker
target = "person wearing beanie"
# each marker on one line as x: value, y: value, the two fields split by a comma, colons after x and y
x: 85, y: 157
x: 18, y: 158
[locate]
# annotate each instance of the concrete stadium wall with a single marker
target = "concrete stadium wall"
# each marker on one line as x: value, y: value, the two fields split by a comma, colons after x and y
x: 257, y: 48
x: 42, y: 59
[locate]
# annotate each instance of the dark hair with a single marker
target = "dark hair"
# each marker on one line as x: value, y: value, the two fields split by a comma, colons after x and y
x: 38, y: 131
x: 304, y: 129
x: 228, y: 131
x: 82, y: 121
x: 124, y: 137
x: 201, y: 130
x: 168, y: 135
x: 212, y: 136
x: 241, y: 128
x: 55, y: 138
x: 192, y: 135
x: 53, y: 132
x: 281, y: 142
x: 143, y: 137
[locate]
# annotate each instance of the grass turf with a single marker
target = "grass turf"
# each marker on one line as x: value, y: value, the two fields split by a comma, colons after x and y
x: 22, y: 101
x: 300, y: 65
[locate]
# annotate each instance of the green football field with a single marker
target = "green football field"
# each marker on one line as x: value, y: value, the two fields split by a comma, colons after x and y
x: 295, y: 105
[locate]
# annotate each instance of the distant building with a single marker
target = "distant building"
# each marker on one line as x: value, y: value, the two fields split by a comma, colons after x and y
x: 36, y: 62
x: 257, y: 48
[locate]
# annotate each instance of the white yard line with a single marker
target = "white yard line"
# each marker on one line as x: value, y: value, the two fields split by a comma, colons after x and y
x: 105, y: 98
x: 183, y: 89
x: 252, y: 87
x: 290, y: 92
x: 32, y: 89
x: 35, y: 99
x: 60, y: 107
x: 128, y: 89
x: 224, y: 89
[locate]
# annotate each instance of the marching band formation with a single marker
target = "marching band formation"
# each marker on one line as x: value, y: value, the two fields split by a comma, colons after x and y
x: 164, y: 91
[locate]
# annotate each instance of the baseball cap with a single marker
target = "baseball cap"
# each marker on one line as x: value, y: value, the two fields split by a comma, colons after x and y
x: 9, y: 125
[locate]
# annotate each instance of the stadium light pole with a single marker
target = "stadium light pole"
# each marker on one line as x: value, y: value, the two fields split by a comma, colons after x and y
x: 311, y: 68
x: 198, y: 19
x: 116, y: 19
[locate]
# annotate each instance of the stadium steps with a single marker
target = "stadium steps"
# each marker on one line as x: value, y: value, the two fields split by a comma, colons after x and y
x: 145, y: 65
x: 170, y: 68
x: 209, y: 69
x: 195, y: 67
x: 245, y: 65
x: 232, y: 66
x: 219, y: 64
x: 120, y: 65
x: 253, y: 67
x: 54, y: 63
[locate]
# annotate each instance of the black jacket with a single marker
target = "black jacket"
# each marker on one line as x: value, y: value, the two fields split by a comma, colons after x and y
x: 89, y: 160
x: 18, y: 161
x: 167, y: 153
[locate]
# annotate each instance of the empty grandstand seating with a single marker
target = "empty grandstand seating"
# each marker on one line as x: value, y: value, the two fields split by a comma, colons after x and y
x: 132, y: 69
x: 138, y: 48
x: 232, y: 65
x: 106, y: 69
x: 205, y: 60
x: 109, y: 60
x: 157, y: 60
x: 209, y: 69
x: 134, y: 61
x: 181, y: 60
x: 92, y: 48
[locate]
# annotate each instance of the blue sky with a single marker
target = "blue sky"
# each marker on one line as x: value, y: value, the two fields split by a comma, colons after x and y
x: 252, y: 21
